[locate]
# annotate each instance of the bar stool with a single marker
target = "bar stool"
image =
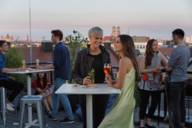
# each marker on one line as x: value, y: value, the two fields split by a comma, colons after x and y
x: 3, y: 105
x: 29, y: 100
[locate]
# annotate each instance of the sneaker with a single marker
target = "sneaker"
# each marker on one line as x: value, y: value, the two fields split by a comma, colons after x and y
x: 10, y: 107
x: 49, y: 115
x: 52, y: 117
x: 66, y: 120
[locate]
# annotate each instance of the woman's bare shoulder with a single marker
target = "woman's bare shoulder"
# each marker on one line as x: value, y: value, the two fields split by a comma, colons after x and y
x: 125, y: 61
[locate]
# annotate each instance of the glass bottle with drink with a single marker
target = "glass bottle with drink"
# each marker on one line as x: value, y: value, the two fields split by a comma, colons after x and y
x: 107, y: 69
x: 37, y: 62
x: 23, y: 64
x: 91, y: 74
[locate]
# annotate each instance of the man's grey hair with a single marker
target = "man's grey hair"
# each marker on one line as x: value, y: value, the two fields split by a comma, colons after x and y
x: 96, y: 30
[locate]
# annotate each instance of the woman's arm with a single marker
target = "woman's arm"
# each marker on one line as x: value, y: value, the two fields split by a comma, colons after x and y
x: 151, y: 70
x: 39, y: 90
x: 164, y: 60
x: 141, y: 62
x: 124, y: 66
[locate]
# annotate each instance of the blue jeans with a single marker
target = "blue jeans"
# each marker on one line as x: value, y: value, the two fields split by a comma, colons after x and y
x: 110, y: 102
x: 61, y: 98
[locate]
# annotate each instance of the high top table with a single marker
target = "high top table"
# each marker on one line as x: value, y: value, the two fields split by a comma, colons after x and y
x: 99, y: 89
x: 29, y: 73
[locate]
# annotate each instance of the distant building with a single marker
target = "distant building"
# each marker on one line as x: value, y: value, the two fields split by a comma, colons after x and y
x: 188, y: 39
x: 8, y: 38
x: 140, y: 43
x: 169, y: 43
x: 118, y: 31
x: 115, y: 32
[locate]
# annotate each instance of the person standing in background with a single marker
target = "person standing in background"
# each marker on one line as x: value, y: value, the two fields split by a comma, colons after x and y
x: 177, y: 66
x: 150, y: 84
x: 62, y: 72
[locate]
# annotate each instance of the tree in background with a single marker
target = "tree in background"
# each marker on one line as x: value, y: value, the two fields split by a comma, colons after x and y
x: 75, y: 43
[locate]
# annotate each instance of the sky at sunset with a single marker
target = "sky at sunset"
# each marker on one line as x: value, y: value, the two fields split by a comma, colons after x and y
x: 154, y: 18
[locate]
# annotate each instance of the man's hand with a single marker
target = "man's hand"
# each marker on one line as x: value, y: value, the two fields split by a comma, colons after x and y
x: 157, y: 69
x: 168, y: 68
x: 87, y: 81
x: 49, y: 66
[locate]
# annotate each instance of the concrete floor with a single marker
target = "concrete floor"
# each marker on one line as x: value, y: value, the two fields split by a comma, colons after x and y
x: 13, y: 119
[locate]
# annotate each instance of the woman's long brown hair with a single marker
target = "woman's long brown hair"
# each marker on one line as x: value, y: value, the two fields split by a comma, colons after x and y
x: 149, y: 53
x: 129, y: 51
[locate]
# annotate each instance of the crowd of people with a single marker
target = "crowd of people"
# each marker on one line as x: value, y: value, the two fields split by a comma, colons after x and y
x: 142, y: 73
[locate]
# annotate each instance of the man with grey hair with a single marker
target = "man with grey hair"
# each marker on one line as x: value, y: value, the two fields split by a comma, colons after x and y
x: 91, y: 61
x: 95, y: 30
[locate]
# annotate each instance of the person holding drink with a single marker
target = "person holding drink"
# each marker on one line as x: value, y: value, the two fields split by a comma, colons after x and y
x: 90, y: 63
x: 150, y: 83
x: 121, y: 114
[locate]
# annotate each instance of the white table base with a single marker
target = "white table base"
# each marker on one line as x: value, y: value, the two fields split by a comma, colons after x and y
x: 89, y: 109
x: 30, y: 122
x: 33, y: 123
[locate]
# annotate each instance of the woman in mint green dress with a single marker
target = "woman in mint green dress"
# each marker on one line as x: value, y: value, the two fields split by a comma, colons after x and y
x: 121, y: 114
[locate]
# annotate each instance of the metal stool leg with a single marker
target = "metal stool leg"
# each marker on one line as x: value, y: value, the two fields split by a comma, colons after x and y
x: 22, y: 114
x: 3, y: 96
x: 40, y: 114
x: 159, y: 110
x: 43, y: 115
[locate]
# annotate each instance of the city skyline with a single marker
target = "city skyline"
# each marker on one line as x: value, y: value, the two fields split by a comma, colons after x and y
x: 144, y: 18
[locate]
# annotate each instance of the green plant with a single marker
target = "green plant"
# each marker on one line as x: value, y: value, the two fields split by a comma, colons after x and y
x: 14, y: 60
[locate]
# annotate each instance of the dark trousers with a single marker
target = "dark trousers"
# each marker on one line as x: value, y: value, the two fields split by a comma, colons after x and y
x: 176, y: 104
x: 13, y: 86
x: 74, y: 102
x: 145, y: 95
x: 99, y: 105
